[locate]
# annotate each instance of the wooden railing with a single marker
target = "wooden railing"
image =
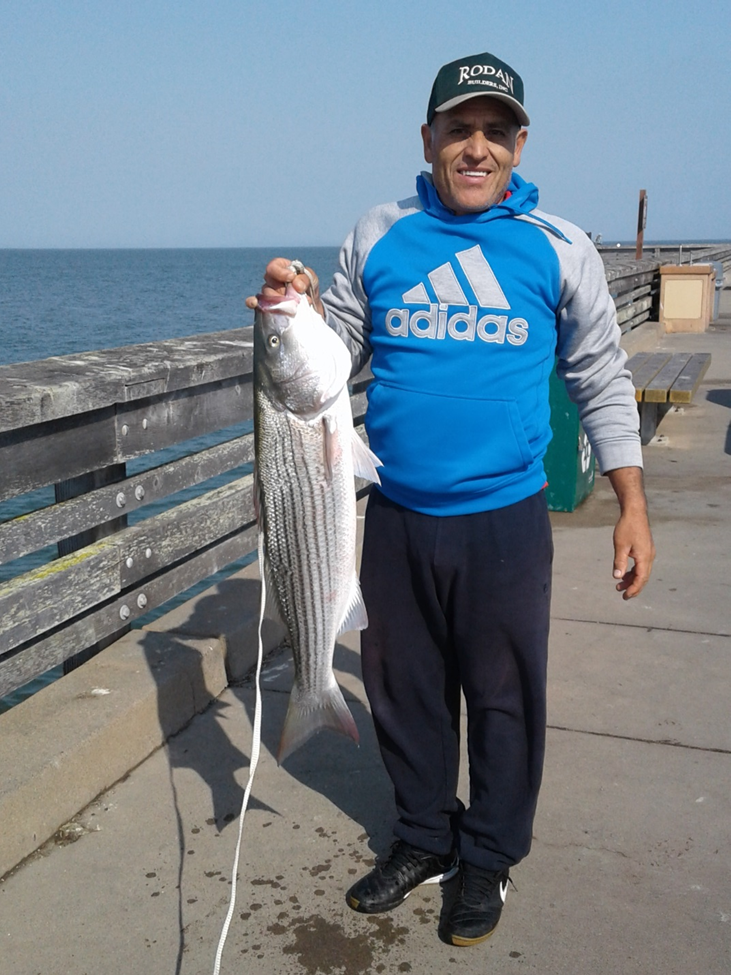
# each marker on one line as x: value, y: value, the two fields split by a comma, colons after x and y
x: 635, y: 285
x: 81, y: 423
x: 635, y: 289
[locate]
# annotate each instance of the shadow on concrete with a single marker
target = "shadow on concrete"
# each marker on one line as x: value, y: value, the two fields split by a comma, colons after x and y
x: 351, y: 777
x: 722, y: 397
x: 215, y: 758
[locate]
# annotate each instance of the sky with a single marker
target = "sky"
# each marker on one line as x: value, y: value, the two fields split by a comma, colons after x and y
x: 233, y: 123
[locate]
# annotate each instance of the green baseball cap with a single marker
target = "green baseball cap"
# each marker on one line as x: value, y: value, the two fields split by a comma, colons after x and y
x: 479, y: 74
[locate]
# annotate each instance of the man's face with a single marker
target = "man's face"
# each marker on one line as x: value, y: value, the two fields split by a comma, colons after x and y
x: 473, y: 148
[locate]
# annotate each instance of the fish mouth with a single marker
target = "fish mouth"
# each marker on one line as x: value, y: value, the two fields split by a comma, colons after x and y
x: 286, y: 303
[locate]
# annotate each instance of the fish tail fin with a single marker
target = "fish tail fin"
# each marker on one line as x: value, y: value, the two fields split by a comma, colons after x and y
x: 306, y: 716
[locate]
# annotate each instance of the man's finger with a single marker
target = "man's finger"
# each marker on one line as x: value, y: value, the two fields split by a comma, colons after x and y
x: 620, y: 562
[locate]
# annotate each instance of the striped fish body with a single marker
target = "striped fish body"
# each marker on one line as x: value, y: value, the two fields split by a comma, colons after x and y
x: 305, y: 450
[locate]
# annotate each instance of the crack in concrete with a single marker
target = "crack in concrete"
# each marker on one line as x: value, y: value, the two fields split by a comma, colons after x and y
x: 671, y: 742
x: 584, y: 846
x: 640, y: 626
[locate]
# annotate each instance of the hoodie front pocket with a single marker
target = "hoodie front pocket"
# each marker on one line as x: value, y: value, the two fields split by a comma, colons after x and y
x: 446, y: 444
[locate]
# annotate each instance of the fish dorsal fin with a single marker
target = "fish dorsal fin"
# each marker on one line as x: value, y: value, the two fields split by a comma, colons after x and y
x: 355, y: 617
x: 365, y: 461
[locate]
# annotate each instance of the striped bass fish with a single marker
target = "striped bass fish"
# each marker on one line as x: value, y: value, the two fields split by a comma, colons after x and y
x: 307, y: 453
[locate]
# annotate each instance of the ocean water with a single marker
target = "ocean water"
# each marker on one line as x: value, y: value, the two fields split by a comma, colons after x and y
x: 59, y: 302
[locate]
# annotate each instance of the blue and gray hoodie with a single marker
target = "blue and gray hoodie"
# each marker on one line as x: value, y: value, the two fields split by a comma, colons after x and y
x: 464, y: 316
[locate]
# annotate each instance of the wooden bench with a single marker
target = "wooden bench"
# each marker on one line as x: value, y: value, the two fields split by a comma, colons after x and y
x: 661, y: 380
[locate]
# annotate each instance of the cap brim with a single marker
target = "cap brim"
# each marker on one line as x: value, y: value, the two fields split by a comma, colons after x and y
x: 520, y: 112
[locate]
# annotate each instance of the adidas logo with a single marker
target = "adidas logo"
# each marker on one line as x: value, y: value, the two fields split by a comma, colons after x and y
x: 435, y: 322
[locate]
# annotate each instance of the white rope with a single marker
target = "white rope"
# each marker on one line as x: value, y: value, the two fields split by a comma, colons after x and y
x: 255, y: 743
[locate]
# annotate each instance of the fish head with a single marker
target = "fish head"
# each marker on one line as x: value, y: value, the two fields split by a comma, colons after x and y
x: 299, y: 362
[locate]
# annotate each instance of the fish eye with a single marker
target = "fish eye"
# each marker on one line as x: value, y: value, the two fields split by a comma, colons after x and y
x: 273, y: 341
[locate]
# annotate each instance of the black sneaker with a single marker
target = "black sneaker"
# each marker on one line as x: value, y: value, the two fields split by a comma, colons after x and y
x: 478, y: 905
x: 393, y: 878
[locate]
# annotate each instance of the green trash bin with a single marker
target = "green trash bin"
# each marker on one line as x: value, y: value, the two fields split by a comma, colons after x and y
x: 569, y: 460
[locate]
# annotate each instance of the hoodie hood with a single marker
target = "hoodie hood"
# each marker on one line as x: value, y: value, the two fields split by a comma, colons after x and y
x: 521, y: 200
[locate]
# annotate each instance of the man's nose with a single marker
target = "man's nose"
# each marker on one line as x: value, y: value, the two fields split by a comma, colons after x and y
x: 477, y: 146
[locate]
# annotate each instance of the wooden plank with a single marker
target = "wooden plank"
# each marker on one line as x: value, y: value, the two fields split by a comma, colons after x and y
x: 34, y: 531
x: 634, y: 322
x: 62, y: 386
x: 634, y: 364
x: 646, y: 371
x: 143, y: 427
x: 685, y: 386
x: 620, y: 280
x: 160, y: 541
x: 32, y: 660
x: 630, y: 296
x: 37, y: 601
x: 656, y: 391
x: 80, y: 487
x: 47, y: 453
x: 56, y: 451
x: 631, y: 311
x: 637, y: 360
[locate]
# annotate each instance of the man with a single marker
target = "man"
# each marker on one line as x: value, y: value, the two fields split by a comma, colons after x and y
x: 464, y: 295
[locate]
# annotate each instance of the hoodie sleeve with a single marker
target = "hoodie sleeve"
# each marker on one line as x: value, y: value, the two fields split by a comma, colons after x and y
x: 347, y: 309
x: 590, y: 360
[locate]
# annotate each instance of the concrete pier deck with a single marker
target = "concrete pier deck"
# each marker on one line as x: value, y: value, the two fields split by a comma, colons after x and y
x: 630, y: 870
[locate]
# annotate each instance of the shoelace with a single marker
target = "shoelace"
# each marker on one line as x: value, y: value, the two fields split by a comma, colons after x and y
x: 401, y: 862
x: 476, y: 886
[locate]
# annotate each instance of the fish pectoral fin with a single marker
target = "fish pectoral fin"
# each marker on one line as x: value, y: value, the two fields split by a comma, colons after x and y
x: 331, y: 444
x: 365, y: 461
x: 355, y: 617
x: 307, y: 714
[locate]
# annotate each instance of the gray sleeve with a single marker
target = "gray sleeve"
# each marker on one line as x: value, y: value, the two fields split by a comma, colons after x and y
x: 347, y: 310
x: 346, y: 303
x: 590, y: 360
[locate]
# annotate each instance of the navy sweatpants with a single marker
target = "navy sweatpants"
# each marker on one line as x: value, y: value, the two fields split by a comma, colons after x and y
x: 459, y: 602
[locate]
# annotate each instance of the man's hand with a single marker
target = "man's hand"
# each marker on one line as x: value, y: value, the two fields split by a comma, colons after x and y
x: 279, y: 273
x: 632, y: 535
